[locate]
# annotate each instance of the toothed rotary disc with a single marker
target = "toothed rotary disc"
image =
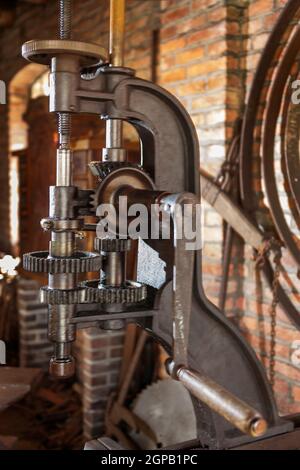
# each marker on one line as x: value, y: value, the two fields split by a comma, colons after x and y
x: 80, y: 262
x: 42, y: 51
x: 112, y: 244
x: 62, y: 296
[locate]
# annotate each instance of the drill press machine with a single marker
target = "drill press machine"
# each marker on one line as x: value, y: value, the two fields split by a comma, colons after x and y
x: 233, y: 401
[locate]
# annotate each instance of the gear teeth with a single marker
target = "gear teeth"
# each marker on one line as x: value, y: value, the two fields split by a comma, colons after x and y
x: 103, y: 169
x: 89, y: 292
x: 93, y: 201
x: 62, y: 296
x: 80, y: 262
x: 132, y: 292
x: 112, y: 244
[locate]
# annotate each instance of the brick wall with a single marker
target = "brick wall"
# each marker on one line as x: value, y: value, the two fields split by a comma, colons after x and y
x: 99, y: 359
x: 201, y: 62
x: 208, y: 54
x: 35, y: 348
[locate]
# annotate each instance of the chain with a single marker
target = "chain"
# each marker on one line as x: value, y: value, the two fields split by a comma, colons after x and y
x: 260, y: 258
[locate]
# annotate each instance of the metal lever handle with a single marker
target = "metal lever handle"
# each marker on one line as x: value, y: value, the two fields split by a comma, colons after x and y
x: 220, y: 400
x: 236, y: 411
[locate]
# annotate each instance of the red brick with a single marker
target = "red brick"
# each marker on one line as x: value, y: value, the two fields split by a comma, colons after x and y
x: 172, y: 45
x: 260, y: 6
x: 189, y: 55
x: 288, y: 371
x: 281, y: 387
x: 191, y: 88
x: 168, y: 32
x: 207, y: 67
x: 296, y: 393
x: 207, y: 33
x: 217, y: 48
x: 173, y: 75
x: 174, y: 15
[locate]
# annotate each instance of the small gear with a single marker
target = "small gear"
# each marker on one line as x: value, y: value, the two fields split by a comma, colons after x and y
x: 80, y: 262
x: 132, y: 292
x: 62, y: 296
x: 112, y: 244
x: 103, y: 169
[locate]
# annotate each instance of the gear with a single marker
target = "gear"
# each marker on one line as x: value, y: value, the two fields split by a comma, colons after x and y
x: 103, y: 169
x: 112, y: 244
x: 80, y: 262
x: 62, y: 296
x: 132, y: 292
x: 158, y: 405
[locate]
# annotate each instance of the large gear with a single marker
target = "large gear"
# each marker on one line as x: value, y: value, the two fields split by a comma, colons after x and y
x: 80, y: 262
x: 89, y: 292
x: 132, y: 292
x: 112, y: 244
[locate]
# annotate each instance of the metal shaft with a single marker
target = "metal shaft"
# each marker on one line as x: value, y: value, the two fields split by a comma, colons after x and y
x: 117, y: 32
x: 114, y: 129
x: 114, y: 265
x: 65, y: 26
